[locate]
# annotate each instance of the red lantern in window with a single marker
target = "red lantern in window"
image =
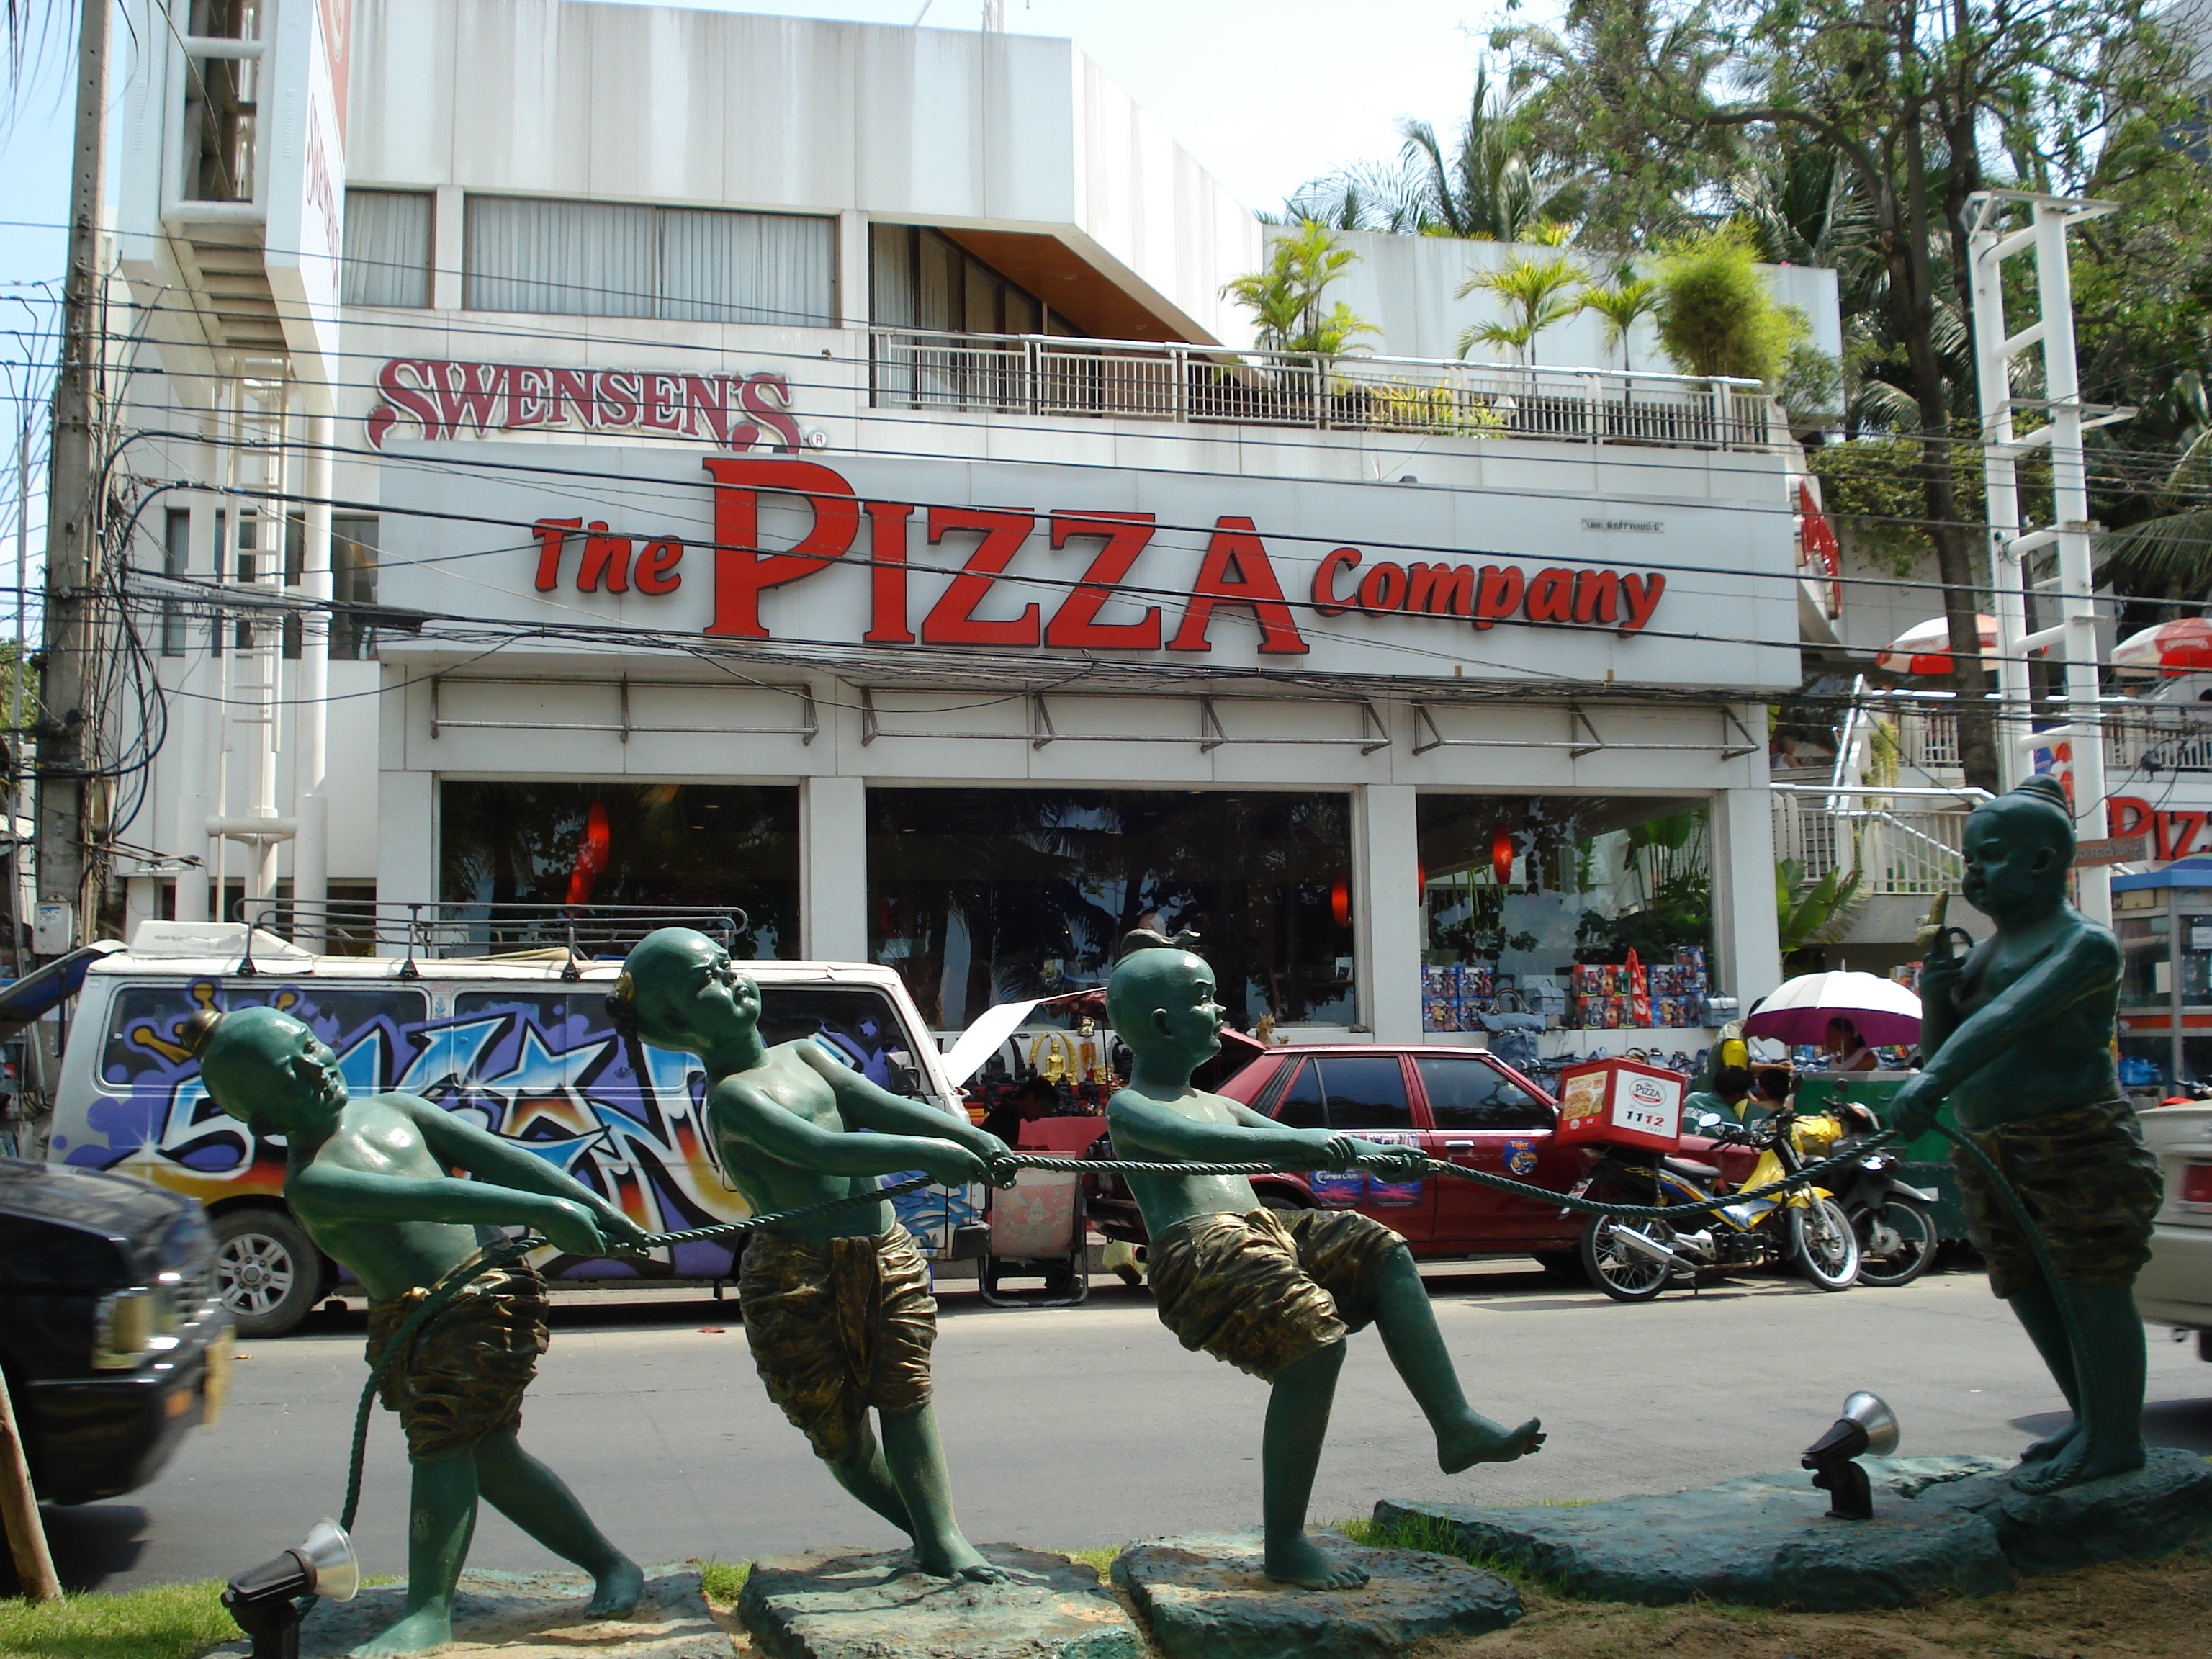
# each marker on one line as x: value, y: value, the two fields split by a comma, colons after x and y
x: 1339, y: 901
x: 1501, y: 854
x: 591, y: 855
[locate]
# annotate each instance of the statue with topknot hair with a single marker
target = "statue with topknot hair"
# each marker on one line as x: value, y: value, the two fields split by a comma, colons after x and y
x: 1272, y: 1294
x: 371, y: 1178
x: 2018, y: 1036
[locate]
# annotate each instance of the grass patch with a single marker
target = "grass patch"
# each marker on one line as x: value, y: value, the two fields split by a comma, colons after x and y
x: 1438, y: 1537
x: 1102, y: 1558
x: 162, y: 1621
x: 721, y: 1581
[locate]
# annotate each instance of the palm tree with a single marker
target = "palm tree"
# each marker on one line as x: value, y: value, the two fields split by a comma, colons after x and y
x: 1285, y: 295
x: 1623, y: 303
x: 1535, y: 292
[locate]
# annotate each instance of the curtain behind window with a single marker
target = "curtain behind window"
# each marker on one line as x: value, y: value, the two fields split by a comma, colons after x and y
x: 387, y: 248
x: 568, y: 258
x: 775, y: 269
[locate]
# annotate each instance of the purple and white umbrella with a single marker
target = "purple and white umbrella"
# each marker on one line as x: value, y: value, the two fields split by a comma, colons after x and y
x: 1883, y: 1012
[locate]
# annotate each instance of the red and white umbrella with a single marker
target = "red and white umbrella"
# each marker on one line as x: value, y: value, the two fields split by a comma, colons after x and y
x: 2174, y: 648
x: 1926, y: 648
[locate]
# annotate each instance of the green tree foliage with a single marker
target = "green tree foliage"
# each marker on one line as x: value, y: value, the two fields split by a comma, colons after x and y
x: 1716, y: 314
x: 1623, y: 303
x: 1809, y: 913
x: 1285, y: 295
x: 1534, y: 295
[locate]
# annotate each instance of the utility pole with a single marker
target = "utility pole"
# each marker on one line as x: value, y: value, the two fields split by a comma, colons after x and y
x: 69, y: 738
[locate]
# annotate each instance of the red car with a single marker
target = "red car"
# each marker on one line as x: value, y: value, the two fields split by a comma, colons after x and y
x: 1459, y: 1105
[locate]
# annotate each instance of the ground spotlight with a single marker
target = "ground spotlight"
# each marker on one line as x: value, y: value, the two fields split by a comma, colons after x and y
x: 265, y: 1599
x: 1867, y: 1425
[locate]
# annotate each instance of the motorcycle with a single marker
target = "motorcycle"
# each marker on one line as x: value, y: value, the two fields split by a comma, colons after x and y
x: 1896, y: 1229
x: 1635, y: 1260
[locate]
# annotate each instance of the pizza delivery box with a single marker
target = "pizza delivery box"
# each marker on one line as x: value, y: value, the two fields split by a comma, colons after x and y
x: 1621, y: 1104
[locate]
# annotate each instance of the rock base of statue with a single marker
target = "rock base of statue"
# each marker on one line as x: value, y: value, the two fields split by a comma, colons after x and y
x: 1205, y: 1597
x: 844, y: 1604
x: 528, y: 1615
x: 1940, y: 1523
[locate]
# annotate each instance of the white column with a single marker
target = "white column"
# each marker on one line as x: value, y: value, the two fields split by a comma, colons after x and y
x: 1386, y: 911
x: 1747, y: 939
x: 406, y: 836
x: 853, y: 268
x: 448, y: 223
x: 310, y: 806
x: 833, y: 870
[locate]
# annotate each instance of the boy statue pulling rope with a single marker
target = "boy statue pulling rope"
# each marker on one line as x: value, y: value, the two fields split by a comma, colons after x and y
x: 1273, y: 1295
x: 371, y: 1181
x: 838, y: 1309
x: 2019, y: 1038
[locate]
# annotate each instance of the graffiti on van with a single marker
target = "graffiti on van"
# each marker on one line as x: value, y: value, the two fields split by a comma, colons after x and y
x: 541, y: 1068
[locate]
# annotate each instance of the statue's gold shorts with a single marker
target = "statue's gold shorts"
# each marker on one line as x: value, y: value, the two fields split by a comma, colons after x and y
x: 462, y: 1376
x: 839, y: 1327
x: 2085, y: 1177
x: 1263, y: 1291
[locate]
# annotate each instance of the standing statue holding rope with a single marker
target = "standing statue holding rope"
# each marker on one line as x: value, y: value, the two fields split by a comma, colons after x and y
x: 2018, y: 1036
x: 372, y: 1182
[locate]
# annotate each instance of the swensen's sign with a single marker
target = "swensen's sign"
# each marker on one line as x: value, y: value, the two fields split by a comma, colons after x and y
x: 1034, y: 551
x: 433, y: 398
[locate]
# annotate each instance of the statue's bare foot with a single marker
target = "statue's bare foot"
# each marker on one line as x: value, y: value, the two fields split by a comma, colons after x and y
x: 420, y: 1630
x: 1302, y: 1562
x: 2081, y: 1463
x: 615, y: 1590
x: 1478, y: 1440
x: 2051, y: 1444
x: 959, y: 1558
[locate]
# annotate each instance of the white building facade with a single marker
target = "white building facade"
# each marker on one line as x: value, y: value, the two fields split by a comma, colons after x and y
x: 689, y: 457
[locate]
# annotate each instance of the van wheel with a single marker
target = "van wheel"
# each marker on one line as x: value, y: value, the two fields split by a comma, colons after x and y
x: 268, y: 1272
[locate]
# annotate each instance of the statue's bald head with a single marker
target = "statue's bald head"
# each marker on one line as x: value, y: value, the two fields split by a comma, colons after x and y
x: 263, y: 1066
x: 671, y: 993
x: 1161, y: 1002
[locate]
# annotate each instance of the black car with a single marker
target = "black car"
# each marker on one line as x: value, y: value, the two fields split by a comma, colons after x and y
x: 111, y: 1332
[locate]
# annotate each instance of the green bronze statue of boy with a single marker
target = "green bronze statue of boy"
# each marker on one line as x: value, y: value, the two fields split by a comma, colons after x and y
x: 371, y: 1179
x: 2019, y: 1039
x: 1273, y: 1294
x: 837, y: 1308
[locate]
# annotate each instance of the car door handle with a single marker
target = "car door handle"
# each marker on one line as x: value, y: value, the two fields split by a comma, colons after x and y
x: 1459, y: 1145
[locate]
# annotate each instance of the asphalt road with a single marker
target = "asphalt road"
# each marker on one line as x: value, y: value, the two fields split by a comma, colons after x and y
x: 1091, y: 1426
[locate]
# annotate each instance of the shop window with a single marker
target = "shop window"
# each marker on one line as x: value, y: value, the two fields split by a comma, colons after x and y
x: 983, y: 896
x: 387, y: 248
x: 702, y: 846
x: 353, y: 582
x: 1467, y: 1093
x: 679, y: 264
x: 1595, y: 908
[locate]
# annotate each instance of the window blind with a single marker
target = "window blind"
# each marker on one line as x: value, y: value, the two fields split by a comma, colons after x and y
x: 387, y: 248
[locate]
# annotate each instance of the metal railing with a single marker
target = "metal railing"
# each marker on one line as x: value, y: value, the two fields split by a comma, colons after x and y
x: 1135, y: 380
x: 2177, y: 740
x: 438, y: 929
x: 1900, y: 844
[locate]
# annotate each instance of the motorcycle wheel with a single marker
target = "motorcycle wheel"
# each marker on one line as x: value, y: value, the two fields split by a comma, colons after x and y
x: 1897, y: 1243
x: 1618, y: 1270
x: 1824, y: 1246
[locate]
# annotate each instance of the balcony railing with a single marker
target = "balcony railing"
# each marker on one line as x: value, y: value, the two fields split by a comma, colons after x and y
x: 2166, y: 740
x: 1899, y: 844
x: 1120, y: 380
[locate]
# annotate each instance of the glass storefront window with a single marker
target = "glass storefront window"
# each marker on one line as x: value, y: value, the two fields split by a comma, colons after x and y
x: 708, y: 845
x: 984, y: 895
x: 1545, y: 896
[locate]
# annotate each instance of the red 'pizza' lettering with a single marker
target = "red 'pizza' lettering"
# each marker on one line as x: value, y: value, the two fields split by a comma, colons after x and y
x: 1075, y: 624
x: 952, y: 620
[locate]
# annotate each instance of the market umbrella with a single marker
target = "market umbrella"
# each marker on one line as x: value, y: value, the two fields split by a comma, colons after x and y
x: 2177, y: 647
x: 1925, y: 648
x: 1884, y: 1011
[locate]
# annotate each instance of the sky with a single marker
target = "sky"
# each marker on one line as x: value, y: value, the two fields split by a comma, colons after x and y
x: 1264, y: 93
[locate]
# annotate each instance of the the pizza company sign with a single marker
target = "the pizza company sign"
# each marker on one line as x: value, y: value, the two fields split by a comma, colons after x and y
x: 1235, y: 572
x: 433, y: 398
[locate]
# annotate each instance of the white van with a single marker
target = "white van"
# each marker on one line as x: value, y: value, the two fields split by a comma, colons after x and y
x: 519, y: 1040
